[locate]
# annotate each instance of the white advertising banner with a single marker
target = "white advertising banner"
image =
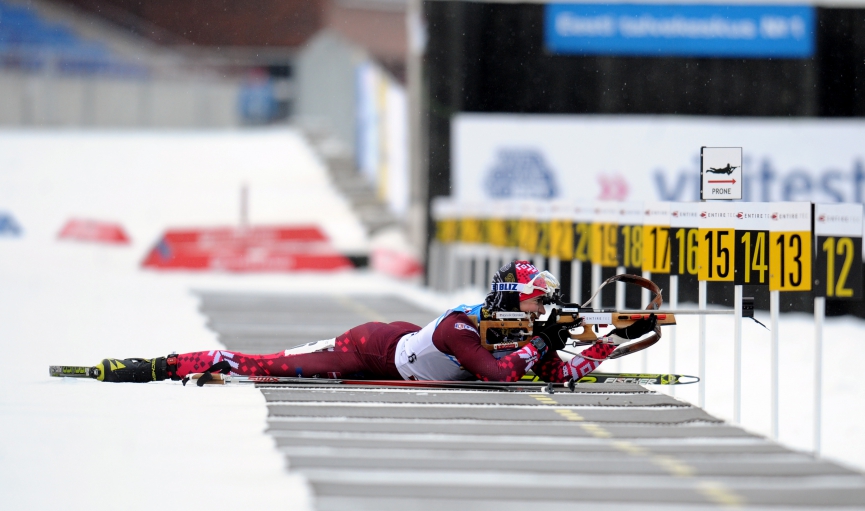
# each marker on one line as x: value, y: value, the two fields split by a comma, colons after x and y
x: 653, y: 158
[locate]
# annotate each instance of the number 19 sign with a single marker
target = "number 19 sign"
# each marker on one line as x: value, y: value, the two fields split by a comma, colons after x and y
x: 838, y: 230
x: 790, y: 246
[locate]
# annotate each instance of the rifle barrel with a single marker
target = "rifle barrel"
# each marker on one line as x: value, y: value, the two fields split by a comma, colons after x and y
x: 682, y: 312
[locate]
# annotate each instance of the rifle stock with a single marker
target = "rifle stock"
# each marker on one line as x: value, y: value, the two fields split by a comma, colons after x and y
x: 583, y: 333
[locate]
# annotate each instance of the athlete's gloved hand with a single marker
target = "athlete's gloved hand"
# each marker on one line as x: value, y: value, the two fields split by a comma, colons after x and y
x: 638, y: 329
x: 541, y: 346
x: 553, y: 333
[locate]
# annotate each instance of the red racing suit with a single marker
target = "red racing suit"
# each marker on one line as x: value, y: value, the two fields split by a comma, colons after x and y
x: 368, y: 351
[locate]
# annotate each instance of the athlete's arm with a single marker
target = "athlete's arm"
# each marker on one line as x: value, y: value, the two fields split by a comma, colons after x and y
x: 553, y: 369
x: 457, y: 336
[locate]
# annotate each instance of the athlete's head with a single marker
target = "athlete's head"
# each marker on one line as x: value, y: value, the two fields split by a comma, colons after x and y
x: 517, y: 282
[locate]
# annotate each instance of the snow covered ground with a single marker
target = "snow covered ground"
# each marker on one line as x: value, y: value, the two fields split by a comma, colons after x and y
x: 80, y: 444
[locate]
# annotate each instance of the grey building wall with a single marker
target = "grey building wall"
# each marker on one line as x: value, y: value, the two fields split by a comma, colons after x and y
x: 326, y: 87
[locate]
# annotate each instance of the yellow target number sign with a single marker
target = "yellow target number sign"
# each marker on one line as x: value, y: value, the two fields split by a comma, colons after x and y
x: 656, y: 248
x: 790, y: 261
x: 582, y: 233
x: 716, y: 254
x: 603, y: 244
x: 561, y: 240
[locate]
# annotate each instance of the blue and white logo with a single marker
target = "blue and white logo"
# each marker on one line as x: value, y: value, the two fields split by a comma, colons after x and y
x: 8, y: 225
x: 755, y: 31
x: 521, y: 173
x: 506, y: 286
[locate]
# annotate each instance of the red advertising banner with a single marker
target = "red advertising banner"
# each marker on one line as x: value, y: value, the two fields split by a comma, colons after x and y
x: 95, y: 231
x: 253, y: 249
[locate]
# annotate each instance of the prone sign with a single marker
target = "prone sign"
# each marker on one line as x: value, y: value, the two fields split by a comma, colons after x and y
x: 720, y: 173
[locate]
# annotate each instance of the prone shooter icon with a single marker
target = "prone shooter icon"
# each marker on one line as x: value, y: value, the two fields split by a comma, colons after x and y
x: 723, y: 170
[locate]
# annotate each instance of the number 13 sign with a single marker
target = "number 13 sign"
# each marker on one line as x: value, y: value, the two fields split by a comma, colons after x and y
x: 790, y: 246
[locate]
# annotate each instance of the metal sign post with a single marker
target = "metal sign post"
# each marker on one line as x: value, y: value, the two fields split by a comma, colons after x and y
x: 790, y: 257
x: 837, y: 276
x: 629, y: 245
x: 752, y: 269
x: 683, y: 255
x: 581, y: 228
x: 720, y: 179
x: 716, y: 261
x: 560, y: 233
x: 603, y: 242
x: 656, y: 250
x: 543, y: 216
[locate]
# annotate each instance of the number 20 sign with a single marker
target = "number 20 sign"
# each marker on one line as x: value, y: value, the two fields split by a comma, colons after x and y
x: 790, y: 246
x: 838, y: 231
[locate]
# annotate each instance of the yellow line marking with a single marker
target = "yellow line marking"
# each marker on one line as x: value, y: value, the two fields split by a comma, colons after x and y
x: 674, y: 466
x: 596, y: 431
x: 569, y: 414
x: 360, y: 308
x: 630, y: 448
x: 720, y: 494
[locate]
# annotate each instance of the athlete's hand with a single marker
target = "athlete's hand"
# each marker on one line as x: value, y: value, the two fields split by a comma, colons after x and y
x: 553, y: 333
x: 638, y: 329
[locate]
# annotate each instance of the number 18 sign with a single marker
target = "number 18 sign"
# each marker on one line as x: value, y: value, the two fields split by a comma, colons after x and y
x: 838, y: 231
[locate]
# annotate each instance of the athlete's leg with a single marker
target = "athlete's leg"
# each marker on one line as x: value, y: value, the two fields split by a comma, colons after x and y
x: 366, y: 351
x: 319, y: 363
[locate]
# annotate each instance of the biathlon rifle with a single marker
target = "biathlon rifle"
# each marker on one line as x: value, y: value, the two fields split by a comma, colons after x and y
x: 585, y: 321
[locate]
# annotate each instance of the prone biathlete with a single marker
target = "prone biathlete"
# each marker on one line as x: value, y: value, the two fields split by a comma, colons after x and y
x: 447, y: 349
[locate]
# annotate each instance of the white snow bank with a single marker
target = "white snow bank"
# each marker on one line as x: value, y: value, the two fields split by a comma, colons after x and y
x: 80, y: 444
x: 149, y: 181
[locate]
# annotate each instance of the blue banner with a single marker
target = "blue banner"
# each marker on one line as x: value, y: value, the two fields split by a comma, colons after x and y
x: 744, y: 31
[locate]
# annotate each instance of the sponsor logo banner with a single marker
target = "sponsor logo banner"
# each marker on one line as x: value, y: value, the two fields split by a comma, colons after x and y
x: 656, y: 158
x: 749, y: 31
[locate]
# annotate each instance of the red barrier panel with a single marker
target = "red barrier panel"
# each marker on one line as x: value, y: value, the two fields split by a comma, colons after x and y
x: 255, y: 249
x: 95, y: 231
x: 395, y: 264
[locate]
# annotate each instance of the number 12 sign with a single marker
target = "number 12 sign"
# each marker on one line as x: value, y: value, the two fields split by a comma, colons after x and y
x: 790, y: 246
x: 838, y: 230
